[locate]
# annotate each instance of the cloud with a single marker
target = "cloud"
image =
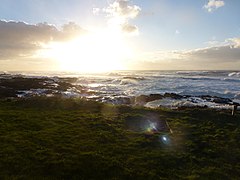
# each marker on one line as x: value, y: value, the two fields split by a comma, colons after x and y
x: 19, y: 39
x: 235, y: 42
x: 224, y: 56
x: 120, y: 12
x: 130, y: 29
x: 71, y: 30
x: 215, y: 54
x: 96, y: 11
x: 123, y: 9
x: 213, y: 5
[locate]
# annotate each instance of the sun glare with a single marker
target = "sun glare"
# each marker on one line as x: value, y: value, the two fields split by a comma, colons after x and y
x: 96, y: 52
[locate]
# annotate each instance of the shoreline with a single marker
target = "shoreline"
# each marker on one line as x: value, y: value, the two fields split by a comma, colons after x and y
x: 21, y: 86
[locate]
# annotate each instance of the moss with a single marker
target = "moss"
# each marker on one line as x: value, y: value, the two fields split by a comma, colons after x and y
x: 55, y: 138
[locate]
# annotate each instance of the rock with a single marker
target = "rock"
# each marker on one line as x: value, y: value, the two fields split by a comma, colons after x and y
x: 124, y: 100
x: 173, y: 96
x: 206, y: 97
x: 153, y: 97
x: 68, y: 79
x: 142, y: 99
x: 222, y: 100
x: 235, y: 104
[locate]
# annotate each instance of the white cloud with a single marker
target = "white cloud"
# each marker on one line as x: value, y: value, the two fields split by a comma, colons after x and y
x: 123, y: 9
x: 96, y: 11
x: 120, y: 12
x: 213, y: 5
x: 235, y: 42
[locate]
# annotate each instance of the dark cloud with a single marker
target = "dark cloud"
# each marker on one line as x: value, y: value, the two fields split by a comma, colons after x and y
x: 222, y: 57
x: 71, y: 30
x: 19, y: 39
x: 209, y: 58
x: 216, y: 54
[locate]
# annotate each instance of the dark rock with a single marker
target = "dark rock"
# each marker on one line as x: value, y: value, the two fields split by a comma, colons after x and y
x: 124, y: 100
x: 173, y: 96
x: 153, y: 97
x: 22, y: 84
x: 222, y: 100
x: 141, y: 99
x: 206, y: 97
x: 235, y: 104
x: 147, y: 98
x: 68, y: 79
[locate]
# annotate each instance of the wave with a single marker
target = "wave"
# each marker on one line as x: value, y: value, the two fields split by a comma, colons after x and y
x: 134, y: 77
x: 234, y: 74
x: 193, y: 72
x: 231, y: 80
x: 129, y: 81
x: 207, y: 92
x: 172, y: 103
x: 200, y: 78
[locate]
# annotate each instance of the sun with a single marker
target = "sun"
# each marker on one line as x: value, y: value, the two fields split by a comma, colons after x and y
x: 94, y: 52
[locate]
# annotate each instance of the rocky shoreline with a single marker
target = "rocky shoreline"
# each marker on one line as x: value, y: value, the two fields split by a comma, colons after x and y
x: 21, y: 86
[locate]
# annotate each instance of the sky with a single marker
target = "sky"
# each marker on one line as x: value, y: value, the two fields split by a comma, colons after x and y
x: 105, y: 35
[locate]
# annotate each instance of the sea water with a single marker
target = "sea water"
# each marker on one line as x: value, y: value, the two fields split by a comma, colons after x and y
x: 225, y: 84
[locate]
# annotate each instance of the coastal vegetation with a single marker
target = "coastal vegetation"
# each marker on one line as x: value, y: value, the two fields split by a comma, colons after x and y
x: 67, y: 138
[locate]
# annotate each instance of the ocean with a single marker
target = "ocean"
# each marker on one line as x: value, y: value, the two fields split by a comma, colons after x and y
x: 117, y: 85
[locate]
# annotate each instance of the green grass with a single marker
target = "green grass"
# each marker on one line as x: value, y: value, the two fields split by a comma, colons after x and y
x: 54, y: 138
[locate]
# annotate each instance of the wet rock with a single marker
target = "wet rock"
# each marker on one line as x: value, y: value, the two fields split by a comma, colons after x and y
x: 68, y: 79
x: 235, y: 104
x: 124, y: 100
x: 21, y: 83
x: 173, y: 96
x: 216, y: 99
x: 142, y: 99
x: 221, y: 100
x: 206, y: 97
x: 153, y: 97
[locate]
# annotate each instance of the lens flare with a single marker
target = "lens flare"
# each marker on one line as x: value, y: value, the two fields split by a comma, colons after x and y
x: 165, y: 139
x: 151, y: 127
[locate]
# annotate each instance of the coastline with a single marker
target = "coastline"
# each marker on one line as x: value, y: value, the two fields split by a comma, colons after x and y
x: 26, y: 86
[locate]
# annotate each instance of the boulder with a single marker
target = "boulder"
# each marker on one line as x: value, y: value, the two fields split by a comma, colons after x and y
x: 142, y: 99
x: 173, y: 96
x: 222, y: 100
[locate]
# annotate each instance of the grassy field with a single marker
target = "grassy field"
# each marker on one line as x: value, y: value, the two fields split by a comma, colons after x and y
x: 54, y: 138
